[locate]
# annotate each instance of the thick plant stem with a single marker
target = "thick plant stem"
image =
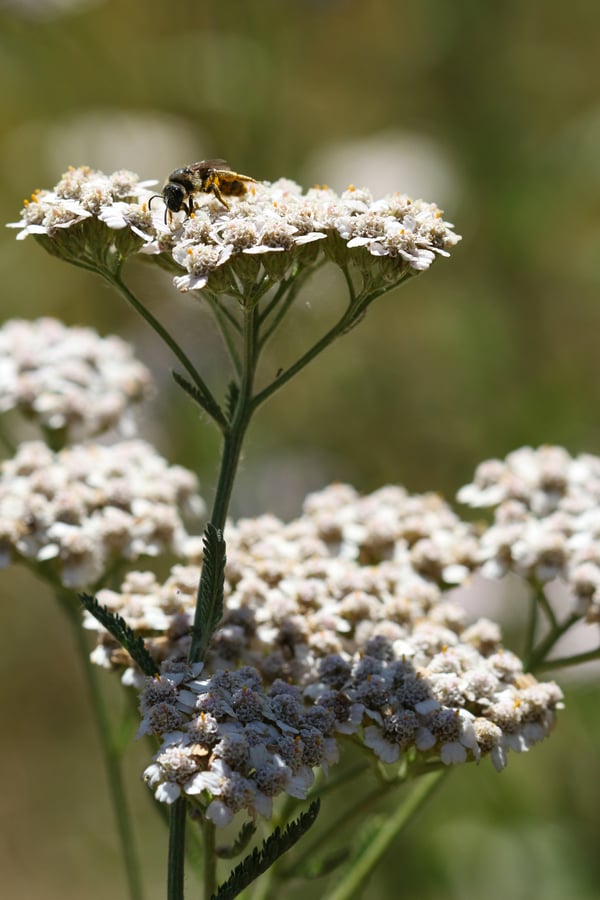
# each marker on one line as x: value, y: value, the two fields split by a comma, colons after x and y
x: 176, y: 849
x: 110, y: 754
x: 234, y: 438
x: 232, y: 448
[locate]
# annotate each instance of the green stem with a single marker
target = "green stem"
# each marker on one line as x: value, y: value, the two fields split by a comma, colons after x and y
x: 210, y: 859
x: 110, y: 753
x: 531, y: 625
x: 274, y: 301
x: 541, y: 598
x: 176, y: 849
x: 537, y: 659
x: 232, y: 448
x: 352, y: 314
x: 355, y: 878
x: 222, y: 317
x: 563, y: 662
x: 340, y: 326
x: 364, y: 803
x: 281, y: 303
x: 170, y: 341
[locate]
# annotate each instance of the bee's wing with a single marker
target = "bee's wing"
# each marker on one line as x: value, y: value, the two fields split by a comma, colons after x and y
x: 205, y: 164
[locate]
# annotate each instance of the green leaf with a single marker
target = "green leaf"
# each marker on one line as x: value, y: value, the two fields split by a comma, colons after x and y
x: 262, y: 859
x: 120, y: 630
x: 210, y: 591
x: 206, y: 401
x: 233, y: 392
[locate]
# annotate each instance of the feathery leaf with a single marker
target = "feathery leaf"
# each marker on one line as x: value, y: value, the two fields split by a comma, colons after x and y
x: 120, y: 630
x: 202, y: 398
x: 262, y: 859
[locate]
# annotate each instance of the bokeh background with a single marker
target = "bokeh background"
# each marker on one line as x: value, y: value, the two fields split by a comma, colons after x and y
x: 492, y: 111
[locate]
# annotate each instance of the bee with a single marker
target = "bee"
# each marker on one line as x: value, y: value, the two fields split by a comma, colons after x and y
x: 209, y: 176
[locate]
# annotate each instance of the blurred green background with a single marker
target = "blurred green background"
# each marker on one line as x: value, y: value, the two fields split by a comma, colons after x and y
x: 492, y: 111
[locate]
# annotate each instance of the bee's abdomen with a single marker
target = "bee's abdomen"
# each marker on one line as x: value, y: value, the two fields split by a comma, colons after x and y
x: 233, y: 188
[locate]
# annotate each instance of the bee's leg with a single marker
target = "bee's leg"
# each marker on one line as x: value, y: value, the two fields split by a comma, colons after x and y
x: 219, y: 195
x: 189, y: 207
x: 211, y: 185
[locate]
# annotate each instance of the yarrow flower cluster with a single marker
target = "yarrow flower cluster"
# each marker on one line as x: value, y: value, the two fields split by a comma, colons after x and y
x: 83, y: 508
x: 84, y: 193
x: 69, y: 379
x: 546, y: 520
x: 345, y: 608
x: 271, y: 219
x: 230, y: 742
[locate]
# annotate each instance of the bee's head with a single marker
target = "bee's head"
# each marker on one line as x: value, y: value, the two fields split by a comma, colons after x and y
x: 173, y: 196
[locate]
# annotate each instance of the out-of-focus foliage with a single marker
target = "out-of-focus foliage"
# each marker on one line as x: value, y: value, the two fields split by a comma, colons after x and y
x: 491, y: 110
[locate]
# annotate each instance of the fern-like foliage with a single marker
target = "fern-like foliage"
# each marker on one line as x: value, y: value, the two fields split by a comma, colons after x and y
x: 210, y: 590
x: 263, y: 858
x: 202, y: 398
x: 120, y: 630
x: 233, y: 392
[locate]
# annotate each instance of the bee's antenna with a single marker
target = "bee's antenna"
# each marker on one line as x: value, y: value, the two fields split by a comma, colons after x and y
x: 154, y: 197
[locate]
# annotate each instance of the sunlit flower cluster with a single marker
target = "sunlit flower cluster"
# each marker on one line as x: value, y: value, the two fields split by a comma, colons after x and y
x: 270, y: 219
x: 86, y: 507
x: 546, y: 520
x: 69, y: 379
x: 345, y: 605
x: 84, y: 193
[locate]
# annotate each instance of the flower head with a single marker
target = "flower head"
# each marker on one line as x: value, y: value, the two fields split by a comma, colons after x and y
x: 69, y: 380
x: 546, y: 522
x: 334, y: 626
x: 80, y: 509
x: 277, y: 223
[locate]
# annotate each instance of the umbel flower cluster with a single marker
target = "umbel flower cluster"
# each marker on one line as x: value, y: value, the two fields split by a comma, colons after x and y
x: 69, y: 379
x: 219, y: 247
x: 338, y: 625
x: 546, y: 520
x: 85, y: 507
